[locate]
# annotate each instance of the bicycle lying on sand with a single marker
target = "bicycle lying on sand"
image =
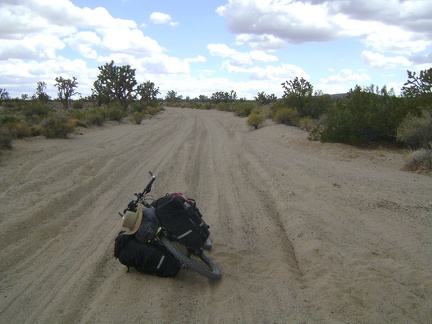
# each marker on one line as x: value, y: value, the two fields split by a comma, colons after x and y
x: 176, y: 222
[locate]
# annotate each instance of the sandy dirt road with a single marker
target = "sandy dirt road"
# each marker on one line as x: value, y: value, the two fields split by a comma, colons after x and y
x: 304, y: 232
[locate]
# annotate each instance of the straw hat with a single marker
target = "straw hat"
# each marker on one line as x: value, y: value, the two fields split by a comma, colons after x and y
x: 132, y: 221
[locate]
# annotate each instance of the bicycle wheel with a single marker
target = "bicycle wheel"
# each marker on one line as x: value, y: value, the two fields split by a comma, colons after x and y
x: 196, y: 262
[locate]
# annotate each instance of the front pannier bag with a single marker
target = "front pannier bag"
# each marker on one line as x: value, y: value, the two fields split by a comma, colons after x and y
x: 181, y: 217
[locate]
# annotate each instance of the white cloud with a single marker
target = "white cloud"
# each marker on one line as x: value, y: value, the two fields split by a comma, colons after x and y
x: 32, y: 47
x: 395, y: 40
x: 31, y: 72
x: 197, y: 59
x: 84, y: 42
x: 238, y: 58
x: 394, y: 26
x: 262, y: 42
x: 378, y: 60
x: 131, y: 41
x: 345, y: 76
x: 162, y: 18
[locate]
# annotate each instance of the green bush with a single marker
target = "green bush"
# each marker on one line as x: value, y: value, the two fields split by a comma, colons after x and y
x: 138, y: 117
x: 35, y: 110
x: 78, y: 104
x: 8, y: 119
x: 21, y: 129
x: 307, y: 124
x: 363, y: 117
x: 287, y: 116
x: 35, y: 130
x: 56, y: 126
x: 14, y: 127
x: 5, y: 138
x: 256, y: 119
x: 152, y: 110
x: 114, y: 111
x: 137, y: 106
x: 243, y: 108
x: 420, y: 160
x: 224, y: 106
x: 95, y: 116
x: 416, y: 131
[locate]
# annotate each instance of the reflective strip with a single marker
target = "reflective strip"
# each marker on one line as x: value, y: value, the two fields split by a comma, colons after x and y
x: 184, y: 234
x: 160, y: 262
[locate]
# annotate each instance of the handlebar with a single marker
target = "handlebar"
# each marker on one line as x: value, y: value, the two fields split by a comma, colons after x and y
x: 148, y: 188
x: 140, y: 196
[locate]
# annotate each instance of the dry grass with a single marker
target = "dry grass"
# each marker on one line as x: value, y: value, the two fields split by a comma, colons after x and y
x: 420, y: 161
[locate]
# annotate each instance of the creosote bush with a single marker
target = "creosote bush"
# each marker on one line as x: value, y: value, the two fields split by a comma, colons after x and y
x: 115, y: 111
x: 5, y: 139
x: 137, y: 117
x: 95, y: 116
x: 56, y: 126
x: 287, y: 116
x: 256, y: 119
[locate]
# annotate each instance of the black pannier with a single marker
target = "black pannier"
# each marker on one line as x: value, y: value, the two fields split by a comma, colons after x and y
x: 181, y: 217
x: 152, y: 257
x: 149, y: 227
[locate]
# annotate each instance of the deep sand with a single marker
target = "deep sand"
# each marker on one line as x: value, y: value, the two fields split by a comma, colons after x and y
x: 304, y: 232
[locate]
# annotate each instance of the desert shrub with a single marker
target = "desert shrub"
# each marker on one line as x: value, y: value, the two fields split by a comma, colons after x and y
x: 137, y: 106
x: 95, y: 116
x: 137, y: 117
x: 56, y: 126
x: 114, y: 111
x: 35, y: 130
x: 5, y: 138
x: 416, y: 131
x: 307, y: 123
x: 256, y: 119
x: 364, y: 117
x: 78, y: 114
x: 287, y: 116
x: 8, y: 119
x: 224, y: 106
x: 243, y: 108
x: 35, y: 110
x: 152, y: 110
x: 317, y: 105
x: 21, y: 129
x: 78, y: 104
x: 14, y: 126
x: 77, y: 122
x: 420, y: 160
x: 319, y: 125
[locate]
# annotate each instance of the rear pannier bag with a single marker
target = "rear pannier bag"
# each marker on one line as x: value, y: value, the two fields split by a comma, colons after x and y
x: 152, y: 258
x: 181, y: 217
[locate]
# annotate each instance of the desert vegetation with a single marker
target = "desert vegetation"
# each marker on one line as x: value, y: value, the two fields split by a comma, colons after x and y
x: 365, y: 116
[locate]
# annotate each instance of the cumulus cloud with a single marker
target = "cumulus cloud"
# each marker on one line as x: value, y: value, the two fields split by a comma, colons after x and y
x: 162, y: 18
x: 238, y: 58
x: 84, y: 43
x: 378, y: 60
x: 346, y: 76
x: 33, y: 47
x: 385, y: 25
x: 130, y: 41
x: 262, y: 42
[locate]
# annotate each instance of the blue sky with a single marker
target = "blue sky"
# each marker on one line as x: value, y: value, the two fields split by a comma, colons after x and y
x: 198, y: 47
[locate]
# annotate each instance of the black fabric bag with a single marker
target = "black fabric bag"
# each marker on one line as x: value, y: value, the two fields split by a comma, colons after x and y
x: 181, y: 217
x: 152, y: 257
x: 149, y: 227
